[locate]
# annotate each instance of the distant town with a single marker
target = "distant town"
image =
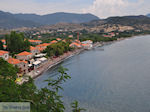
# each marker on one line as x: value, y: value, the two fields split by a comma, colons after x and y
x: 39, y: 57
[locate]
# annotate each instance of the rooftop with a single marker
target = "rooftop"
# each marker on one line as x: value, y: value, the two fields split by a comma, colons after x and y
x: 35, y: 41
x: 43, y: 45
x: 32, y: 48
x: 3, y: 52
x: 54, y: 41
x: 25, y: 53
x: 15, y: 61
x: 3, y: 40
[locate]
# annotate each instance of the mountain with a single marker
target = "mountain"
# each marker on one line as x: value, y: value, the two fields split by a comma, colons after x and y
x: 9, y: 20
x: 124, y: 20
x: 59, y: 17
x: 123, y: 23
x: 129, y: 20
x: 148, y: 15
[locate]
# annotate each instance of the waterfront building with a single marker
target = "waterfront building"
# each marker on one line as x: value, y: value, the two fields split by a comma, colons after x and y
x: 42, y: 47
x: 22, y: 65
x: 75, y: 45
x: 88, y: 44
x: 4, y: 54
x: 24, y: 55
x: 34, y: 50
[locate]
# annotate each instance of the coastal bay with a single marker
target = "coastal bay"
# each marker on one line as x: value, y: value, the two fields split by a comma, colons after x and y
x: 114, y: 79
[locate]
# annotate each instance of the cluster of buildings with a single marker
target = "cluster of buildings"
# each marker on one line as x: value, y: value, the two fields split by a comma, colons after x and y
x: 28, y: 61
x: 88, y: 44
x: 111, y: 34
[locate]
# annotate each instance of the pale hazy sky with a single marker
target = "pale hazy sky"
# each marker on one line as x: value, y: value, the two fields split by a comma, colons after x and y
x: 101, y: 8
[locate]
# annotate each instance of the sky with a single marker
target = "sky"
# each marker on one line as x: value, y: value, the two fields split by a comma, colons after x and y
x: 100, y: 8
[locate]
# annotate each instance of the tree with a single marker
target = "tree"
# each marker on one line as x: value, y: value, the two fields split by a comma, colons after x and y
x: 1, y: 45
x: 7, y: 70
x: 57, y: 49
x: 44, y: 100
x: 16, y: 42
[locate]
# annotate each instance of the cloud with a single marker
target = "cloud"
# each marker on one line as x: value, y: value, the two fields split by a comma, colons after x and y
x: 42, y: 6
x: 101, y: 8
x: 106, y: 8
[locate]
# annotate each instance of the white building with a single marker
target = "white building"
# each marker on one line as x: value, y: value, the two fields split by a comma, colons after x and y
x: 4, y: 54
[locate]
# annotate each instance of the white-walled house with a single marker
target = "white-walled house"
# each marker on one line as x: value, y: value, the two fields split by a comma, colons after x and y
x: 4, y: 54
x: 24, y: 55
x: 22, y: 65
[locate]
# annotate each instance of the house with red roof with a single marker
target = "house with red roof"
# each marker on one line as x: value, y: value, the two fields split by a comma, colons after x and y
x: 34, y: 50
x: 54, y: 41
x: 34, y: 42
x: 58, y: 39
x: 4, y: 46
x: 4, y: 41
x: 75, y: 45
x: 43, y: 46
x: 4, y: 54
x: 22, y: 65
x: 24, y: 55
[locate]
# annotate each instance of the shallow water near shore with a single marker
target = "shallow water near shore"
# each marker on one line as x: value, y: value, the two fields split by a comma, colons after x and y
x: 116, y: 79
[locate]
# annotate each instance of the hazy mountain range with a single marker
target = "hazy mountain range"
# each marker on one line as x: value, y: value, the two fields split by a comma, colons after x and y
x: 124, y: 20
x: 9, y: 20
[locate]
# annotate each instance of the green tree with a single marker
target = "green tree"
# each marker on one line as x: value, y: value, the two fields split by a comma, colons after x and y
x: 16, y: 42
x: 57, y: 49
x: 7, y: 70
x: 44, y: 100
x: 1, y: 45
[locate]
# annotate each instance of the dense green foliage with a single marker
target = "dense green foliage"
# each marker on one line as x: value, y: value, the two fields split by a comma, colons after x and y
x: 44, y: 100
x: 1, y: 45
x: 7, y: 70
x: 96, y: 38
x: 17, y: 43
x: 57, y: 49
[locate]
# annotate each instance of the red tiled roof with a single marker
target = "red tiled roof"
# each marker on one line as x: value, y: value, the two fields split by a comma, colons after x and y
x: 32, y: 48
x: 35, y: 41
x: 76, y: 44
x: 40, y: 49
x: 3, y: 52
x: 64, y: 40
x: 25, y: 53
x: 43, y: 45
x: 3, y: 40
x: 4, y: 46
x: 54, y: 41
x: 15, y: 61
x: 58, y: 39
x: 85, y: 44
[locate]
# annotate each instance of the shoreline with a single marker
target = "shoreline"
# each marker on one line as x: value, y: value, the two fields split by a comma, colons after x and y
x: 55, y: 61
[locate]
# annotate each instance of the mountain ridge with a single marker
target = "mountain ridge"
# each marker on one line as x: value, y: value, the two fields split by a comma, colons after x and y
x: 9, y: 20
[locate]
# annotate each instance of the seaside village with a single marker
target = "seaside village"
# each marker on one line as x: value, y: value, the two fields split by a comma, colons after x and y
x: 33, y: 63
